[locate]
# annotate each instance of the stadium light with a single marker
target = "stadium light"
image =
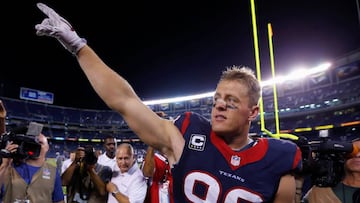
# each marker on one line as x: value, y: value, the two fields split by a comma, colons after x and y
x: 295, y: 75
x: 179, y: 99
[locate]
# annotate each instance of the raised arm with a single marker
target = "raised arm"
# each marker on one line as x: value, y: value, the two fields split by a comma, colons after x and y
x: 113, y: 89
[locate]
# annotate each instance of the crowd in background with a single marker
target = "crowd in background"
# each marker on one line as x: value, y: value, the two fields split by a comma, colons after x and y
x: 189, y: 159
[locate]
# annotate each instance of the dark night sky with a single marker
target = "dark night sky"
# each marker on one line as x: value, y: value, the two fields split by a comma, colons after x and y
x: 169, y: 48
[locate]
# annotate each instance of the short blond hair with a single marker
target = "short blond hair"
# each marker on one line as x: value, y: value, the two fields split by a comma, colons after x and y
x: 245, y: 76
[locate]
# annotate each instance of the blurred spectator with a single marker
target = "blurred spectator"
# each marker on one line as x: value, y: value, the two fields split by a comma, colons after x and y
x: 128, y: 184
x: 85, y: 179
x: 68, y: 161
x: 156, y: 169
x: 59, y: 161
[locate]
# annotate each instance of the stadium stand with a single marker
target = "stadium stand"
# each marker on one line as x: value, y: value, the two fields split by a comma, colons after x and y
x: 328, y: 100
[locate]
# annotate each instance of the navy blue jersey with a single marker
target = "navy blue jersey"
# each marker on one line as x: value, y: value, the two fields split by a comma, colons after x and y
x: 210, y: 171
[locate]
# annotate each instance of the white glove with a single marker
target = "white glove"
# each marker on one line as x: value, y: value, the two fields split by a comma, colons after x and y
x: 59, y: 28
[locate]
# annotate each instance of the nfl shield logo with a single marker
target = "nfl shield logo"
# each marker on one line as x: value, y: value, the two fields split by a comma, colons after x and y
x: 46, y: 173
x: 235, y: 160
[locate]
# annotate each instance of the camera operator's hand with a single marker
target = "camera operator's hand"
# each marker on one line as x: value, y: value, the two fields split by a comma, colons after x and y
x: 10, y: 148
x: 59, y: 28
x: 80, y: 154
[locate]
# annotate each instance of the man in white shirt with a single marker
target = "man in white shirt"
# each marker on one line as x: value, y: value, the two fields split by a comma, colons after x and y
x: 128, y: 184
x: 108, y: 157
x: 68, y: 161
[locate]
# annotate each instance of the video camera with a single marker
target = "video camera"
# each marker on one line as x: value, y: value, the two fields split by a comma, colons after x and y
x: 26, y: 138
x: 324, y: 159
x: 90, y: 156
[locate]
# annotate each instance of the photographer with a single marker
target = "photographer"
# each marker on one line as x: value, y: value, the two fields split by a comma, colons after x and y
x: 347, y: 190
x: 85, y: 179
x: 29, y: 178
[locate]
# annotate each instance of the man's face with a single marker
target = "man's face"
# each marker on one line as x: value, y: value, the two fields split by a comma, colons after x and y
x: 44, y: 145
x: 353, y: 164
x: 124, y: 159
x: 72, y: 156
x: 110, y: 147
x: 231, y: 114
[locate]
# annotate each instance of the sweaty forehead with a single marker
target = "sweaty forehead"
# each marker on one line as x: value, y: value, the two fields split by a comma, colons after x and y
x: 231, y: 87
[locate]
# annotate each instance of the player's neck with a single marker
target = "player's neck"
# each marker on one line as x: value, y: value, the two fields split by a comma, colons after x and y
x: 241, y: 144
